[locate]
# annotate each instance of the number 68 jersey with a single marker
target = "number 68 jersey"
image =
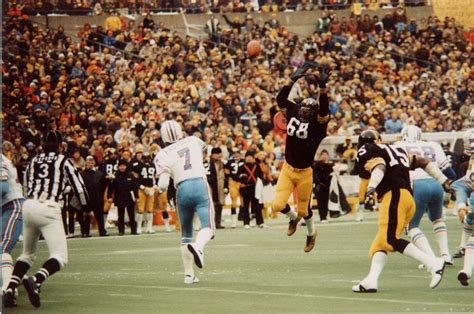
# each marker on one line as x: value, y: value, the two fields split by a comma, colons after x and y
x: 182, y: 160
x: 395, y: 160
x: 303, y: 138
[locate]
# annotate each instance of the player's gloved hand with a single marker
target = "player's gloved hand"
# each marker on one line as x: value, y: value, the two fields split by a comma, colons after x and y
x: 462, y: 213
x: 299, y: 73
x: 369, y: 202
x: 226, y: 191
x: 67, y: 189
x: 142, y: 187
x: 447, y: 186
x: 324, y: 75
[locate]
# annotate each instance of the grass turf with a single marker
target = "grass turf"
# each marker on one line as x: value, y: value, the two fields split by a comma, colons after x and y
x: 257, y: 270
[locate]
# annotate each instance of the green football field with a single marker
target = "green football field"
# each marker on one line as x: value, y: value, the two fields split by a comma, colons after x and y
x: 257, y: 270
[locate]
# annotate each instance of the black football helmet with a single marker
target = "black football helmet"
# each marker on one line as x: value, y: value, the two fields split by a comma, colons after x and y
x: 368, y: 136
x: 306, y: 109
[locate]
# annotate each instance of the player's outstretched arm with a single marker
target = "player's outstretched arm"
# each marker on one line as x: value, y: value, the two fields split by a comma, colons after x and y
x: 282, y: 97
x: 433, y: 170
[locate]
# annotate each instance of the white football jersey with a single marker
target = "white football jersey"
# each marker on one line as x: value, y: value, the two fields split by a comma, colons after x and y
x: 469, y: 150
x: 8, y: 173
x: 182, y: 160
x: 431, y: 151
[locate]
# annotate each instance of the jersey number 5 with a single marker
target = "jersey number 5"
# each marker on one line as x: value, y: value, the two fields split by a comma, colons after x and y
x: 298, y: 128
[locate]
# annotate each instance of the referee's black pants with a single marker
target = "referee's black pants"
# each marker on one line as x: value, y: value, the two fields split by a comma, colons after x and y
x: 69, y: 215
x: 131, y: 217
x: 248, y: 195
x: 322, y: 195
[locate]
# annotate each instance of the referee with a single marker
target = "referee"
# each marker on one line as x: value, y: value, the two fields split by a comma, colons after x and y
x: 45, y: 180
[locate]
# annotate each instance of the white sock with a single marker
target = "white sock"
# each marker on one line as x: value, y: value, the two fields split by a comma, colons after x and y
x: 187, y: 258
x: 234, y: 219
x: 378, y: 262
x: 412, y: 251
x: 441, y: 234
x: 469, y: 256
x: 204, y: 235
x: 105, y: 217
x: 291, y: 214
x: 139, y: 220
x: 149, y: 221
x: 310, y: 225
x: 7, y: 270
x: 418, y: 238
x: 464, y: 236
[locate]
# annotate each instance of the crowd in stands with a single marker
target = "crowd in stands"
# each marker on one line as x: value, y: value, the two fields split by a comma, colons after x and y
x: 94, y: 7
x: 114, y: 86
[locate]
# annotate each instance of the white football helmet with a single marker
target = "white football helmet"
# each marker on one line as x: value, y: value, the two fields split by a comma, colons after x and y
x: 411, y: 133
x: 171, y: 131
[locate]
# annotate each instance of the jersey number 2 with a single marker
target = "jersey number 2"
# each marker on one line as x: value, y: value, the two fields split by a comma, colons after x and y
x: 187, y: 157
x: 298, y: 128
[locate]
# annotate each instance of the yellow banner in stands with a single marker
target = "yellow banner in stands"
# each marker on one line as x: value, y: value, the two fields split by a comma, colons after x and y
x: 462, y: 10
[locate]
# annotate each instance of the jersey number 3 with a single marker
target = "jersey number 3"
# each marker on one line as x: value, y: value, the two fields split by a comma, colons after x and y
x: 298, y: 128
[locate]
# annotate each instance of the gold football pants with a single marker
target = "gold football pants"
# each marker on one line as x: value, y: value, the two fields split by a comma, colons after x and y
x: 396, y: 210
x: 234, y: 187
x: 292, y: 178
x: 145, y: 202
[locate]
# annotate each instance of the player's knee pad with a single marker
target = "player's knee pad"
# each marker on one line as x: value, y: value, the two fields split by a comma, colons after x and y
x: 28, y: 259
x: 398, y: 245
x: 61, y: 258
x: 303, y: 211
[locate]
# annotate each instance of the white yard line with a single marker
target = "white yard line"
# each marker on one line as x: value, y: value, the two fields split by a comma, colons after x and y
x: 174, y: 248
x: 126, y: 295
x: 267, y: 293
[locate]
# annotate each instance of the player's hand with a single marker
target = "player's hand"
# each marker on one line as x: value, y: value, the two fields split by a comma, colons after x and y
x: 226, y: 191
x: 142, y: 187
x: 324, y: 75
x: 447, y: 186
x: 369, y: 202
x: 462, y: 213
x: 299, y: 73
x: 110, y: 200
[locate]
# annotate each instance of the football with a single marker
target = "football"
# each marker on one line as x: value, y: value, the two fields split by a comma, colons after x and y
x: 254, y: 48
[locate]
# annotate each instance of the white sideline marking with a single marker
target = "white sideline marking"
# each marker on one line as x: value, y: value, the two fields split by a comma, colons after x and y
x: 278, y: 294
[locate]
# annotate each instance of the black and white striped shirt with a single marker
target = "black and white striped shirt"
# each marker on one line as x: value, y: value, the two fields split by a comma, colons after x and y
x: 47, y: 175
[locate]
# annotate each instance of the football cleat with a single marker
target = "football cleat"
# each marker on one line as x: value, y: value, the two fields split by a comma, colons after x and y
x: 9, y: 299
x: 459, y: 253
x: 198, y: 255
x: 437, y: 271
x: 310, y: 242
x: 33, y: 291
x: 364, y: 287
x: 463, y: 278
x: 448, y: 259
x: 247, y: 227
x: 292, y: 225
x: 188, y: 279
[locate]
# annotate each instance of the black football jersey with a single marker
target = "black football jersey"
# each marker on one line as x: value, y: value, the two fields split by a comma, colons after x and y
x: 396, y: 161
x: 233, y: 166
x: 303, y: 138
x: 146, y: 174
x: 109, y: 167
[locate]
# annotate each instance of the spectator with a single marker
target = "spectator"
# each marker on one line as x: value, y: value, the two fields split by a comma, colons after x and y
x: 323, y: 22
x: 218, y: 182
x: 322, y: 170
x: 394, y: 124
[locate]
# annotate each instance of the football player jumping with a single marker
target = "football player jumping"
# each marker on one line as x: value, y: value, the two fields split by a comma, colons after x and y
x: 307, y: 123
